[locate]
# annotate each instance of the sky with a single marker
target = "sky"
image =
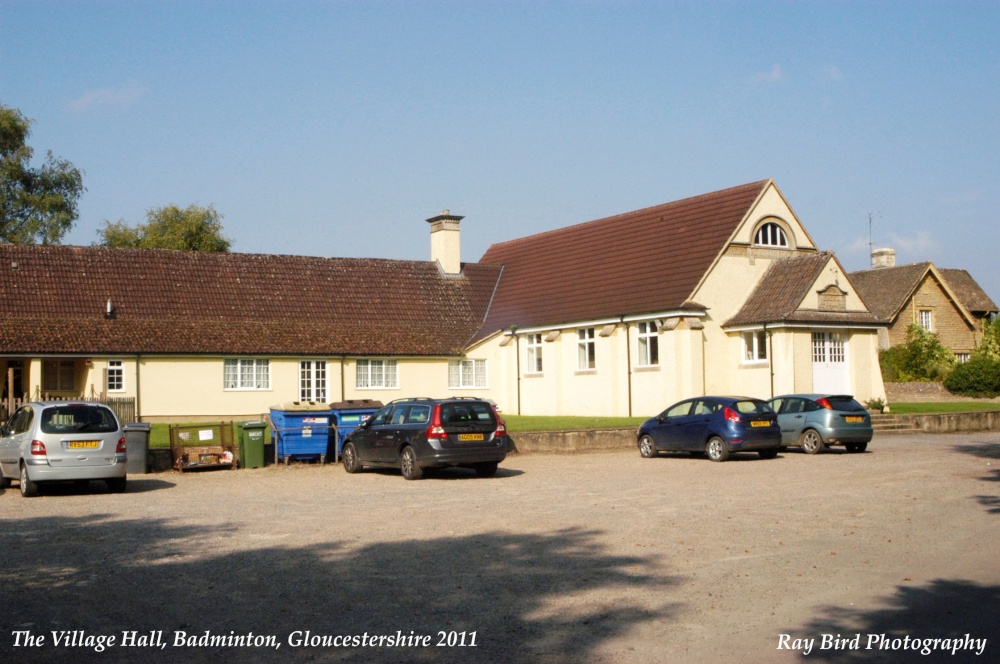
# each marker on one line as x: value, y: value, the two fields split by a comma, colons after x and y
x: 337, y: 128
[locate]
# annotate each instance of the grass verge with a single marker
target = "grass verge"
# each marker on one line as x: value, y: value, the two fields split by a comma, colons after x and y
x: 942, y: 407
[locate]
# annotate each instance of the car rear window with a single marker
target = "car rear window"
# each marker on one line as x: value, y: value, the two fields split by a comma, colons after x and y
x: 752, y: 407
x: 478, y: 412
x: 78, y: 418
x: 845, y: 403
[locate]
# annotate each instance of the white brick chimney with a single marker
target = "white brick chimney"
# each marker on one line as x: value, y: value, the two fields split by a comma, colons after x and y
x: 446, y: 246
x: 883, y: 258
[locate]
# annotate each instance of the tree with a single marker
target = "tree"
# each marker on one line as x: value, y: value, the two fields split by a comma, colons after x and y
x: 36, y: 204
x: 922, y: 357
x: 989, y: 346
x: 193, y: 228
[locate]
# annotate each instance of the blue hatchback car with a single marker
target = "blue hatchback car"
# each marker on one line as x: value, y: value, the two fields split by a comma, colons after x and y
x: 715, y: 426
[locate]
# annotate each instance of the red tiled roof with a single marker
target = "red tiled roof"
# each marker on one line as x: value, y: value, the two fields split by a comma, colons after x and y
x: 54, y: 301
x: 781, y: 290
x: 643, y: 261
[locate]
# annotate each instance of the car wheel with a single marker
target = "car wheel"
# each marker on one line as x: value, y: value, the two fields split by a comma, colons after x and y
x: 29, y: 489
x: 117, y: 484
x: 4, y: 482
x: 716, y: 449
x: 812, y: 442
x: 486, y: 469
x: 349, y: 457
x: 408, y: 464
x: 768, y: 454
x: 856, y: 447
x: 647, y: 448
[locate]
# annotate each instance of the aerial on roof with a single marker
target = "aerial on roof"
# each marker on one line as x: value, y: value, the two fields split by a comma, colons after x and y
x: 56, y: 299
x: 648, y: 260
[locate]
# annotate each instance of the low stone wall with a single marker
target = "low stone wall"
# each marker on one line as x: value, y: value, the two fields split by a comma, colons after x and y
x: 983, y: 420
x: 923, y: 391
x: 574, y: 441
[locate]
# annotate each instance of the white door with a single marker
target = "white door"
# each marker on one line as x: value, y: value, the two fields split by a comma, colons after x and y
x: 831, y: 373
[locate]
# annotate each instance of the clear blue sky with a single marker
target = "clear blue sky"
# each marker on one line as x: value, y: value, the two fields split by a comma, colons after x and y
x: 336, y: 128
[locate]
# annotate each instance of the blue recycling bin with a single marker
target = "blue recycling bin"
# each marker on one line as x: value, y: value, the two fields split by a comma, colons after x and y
x: 346, y: 416
x: 301, y: 430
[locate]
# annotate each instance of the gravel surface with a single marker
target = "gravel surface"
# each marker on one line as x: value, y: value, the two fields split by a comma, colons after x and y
x: 601, y: 557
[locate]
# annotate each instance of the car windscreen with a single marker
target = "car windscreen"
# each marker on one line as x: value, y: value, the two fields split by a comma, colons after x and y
x: 752, y: 408
x: 845, y: 403
x: 78, y: 418
x: 472, y: 412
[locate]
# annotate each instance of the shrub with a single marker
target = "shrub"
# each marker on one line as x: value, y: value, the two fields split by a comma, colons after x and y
x: 989, y: 346
x: 979, y: 377
x: 922, y: 357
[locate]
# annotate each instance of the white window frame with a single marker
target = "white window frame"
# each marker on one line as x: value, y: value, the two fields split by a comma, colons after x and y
x: 372, y: 374
x: 586, y: 355
x: 648, y: 344
x: 754, y: 347
x: 245, y: 374
x: 312, y: 380
x: 925, y: 318
x: 114, y: 380
x: 771, y: 234
x: 533, y: 350
x: 467, y: 374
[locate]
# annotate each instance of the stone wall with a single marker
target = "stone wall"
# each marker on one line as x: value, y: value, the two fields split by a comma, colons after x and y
x: 923, y: 391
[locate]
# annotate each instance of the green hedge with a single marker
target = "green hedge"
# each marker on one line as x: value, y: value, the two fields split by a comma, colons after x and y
x: 979, y: 377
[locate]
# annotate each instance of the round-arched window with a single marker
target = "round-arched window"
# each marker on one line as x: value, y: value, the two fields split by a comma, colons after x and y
x: 771, y: 235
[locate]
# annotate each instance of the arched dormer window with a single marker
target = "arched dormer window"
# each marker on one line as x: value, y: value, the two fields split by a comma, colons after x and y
x: 771, y: 235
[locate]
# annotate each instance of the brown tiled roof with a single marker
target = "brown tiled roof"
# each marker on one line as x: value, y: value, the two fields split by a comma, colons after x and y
x: 781, y: 290
x: 53, y: 300
x: 644, y: 261
x: 885, y: 290
x: 968, y: 291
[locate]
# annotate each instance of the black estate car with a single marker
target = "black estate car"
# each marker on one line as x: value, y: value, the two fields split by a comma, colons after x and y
x: 413, y: 434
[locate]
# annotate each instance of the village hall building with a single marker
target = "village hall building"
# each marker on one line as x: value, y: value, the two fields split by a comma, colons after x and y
x: 722, y: 293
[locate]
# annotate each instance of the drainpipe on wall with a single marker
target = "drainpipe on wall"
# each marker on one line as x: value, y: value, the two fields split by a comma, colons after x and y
x: 138, y: 387
x: 343, y: 394
x: 770, y: 357
x: 517, y: 354
x: 628, y: 364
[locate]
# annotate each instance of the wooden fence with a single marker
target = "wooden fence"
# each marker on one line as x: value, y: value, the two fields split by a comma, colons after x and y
x: 124, y: 407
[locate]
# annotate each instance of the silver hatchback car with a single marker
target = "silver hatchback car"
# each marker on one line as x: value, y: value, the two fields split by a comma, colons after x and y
x: 55, y: 441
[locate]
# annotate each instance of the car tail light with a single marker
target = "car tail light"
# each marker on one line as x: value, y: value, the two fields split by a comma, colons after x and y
x: 435, y: 431
x: 731, y: 414
x: 37, y: 448
x: 501, y: 425
x: 121, y: 449
x: 823, y: 401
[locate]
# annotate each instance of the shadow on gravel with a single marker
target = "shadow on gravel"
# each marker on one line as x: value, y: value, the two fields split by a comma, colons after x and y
x: 552, y: 597
x: 985, y: 450
x: 945, y: 609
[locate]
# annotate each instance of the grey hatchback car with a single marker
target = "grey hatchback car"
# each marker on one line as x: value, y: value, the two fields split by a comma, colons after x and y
x: 55, y: 441
x: 817, y: 420
x: 414, y: 434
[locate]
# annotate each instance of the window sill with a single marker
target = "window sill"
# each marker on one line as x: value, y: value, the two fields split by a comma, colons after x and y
x: 647, y: 367
x: 585, y: 372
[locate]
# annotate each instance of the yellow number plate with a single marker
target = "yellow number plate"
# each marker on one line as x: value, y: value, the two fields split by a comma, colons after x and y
x: 760, y: 423
x: 854, y: 418
x: 83, y: 445
x: 471, y: 436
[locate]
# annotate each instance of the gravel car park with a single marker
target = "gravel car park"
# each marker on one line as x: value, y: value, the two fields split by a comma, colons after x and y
x: 597, y: 557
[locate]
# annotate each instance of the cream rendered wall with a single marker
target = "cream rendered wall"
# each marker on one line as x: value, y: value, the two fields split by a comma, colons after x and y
x: 832, y: 275
x: 866, y: 373
x: 726, y: 288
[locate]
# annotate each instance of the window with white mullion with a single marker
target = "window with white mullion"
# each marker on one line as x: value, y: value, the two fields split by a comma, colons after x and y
x: 649, y: 344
